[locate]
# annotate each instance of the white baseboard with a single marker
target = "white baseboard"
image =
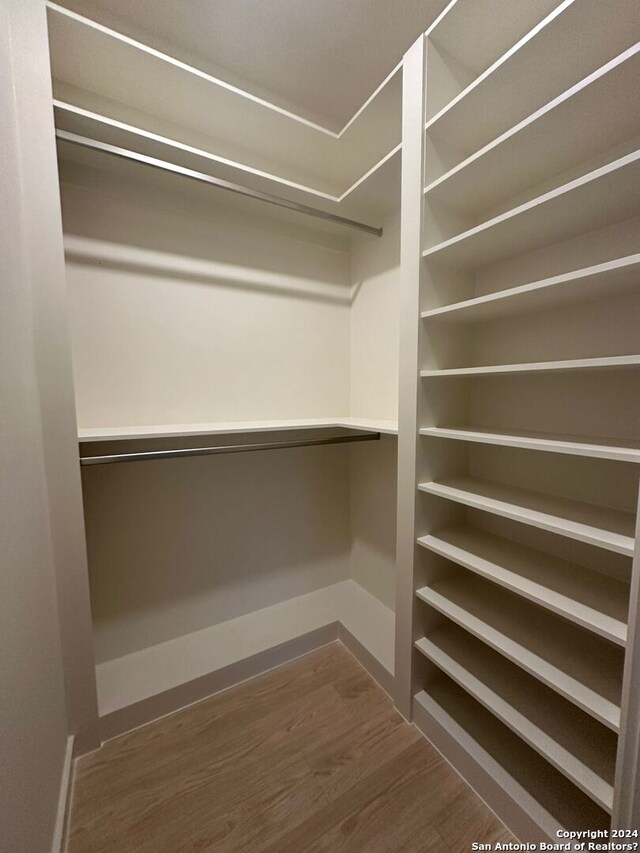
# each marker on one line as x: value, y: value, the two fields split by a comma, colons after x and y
x: 146, y: 685
x: 58, y: 843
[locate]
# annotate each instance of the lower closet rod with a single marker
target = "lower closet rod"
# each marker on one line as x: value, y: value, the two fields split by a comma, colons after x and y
x: 230, y: 448
x: 202, y: 177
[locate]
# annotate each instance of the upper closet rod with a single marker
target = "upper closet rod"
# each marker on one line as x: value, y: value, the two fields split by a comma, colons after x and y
x: 230, y: 448
x: 126, y: 154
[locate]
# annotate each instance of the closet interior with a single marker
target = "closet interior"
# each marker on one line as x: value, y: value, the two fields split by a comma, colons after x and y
x: 256, y: 300
x: 203, y: 318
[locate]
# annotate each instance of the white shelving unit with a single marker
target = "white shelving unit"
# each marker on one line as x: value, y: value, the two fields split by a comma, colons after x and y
x: 606, y: 528
x: 568, y: 739
x: 606, y: 194
x: 211, y: 126
x: 518, y: 481
x: 498, y: 759
x: 605, y: 280
x: 513, y: 87
x: 546, y: 142
x: 585, y: 597
x: 584, y: 670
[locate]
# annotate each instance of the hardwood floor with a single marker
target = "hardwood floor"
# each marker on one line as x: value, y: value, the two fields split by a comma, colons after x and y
x: 309, y: 757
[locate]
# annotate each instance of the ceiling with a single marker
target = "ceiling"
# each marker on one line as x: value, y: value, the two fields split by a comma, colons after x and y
x: 318, y: 58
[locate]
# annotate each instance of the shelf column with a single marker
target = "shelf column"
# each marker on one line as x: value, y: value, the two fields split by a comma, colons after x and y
x: 413, y: 121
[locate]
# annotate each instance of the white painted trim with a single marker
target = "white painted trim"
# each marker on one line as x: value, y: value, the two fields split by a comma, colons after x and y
x: 58, y: 844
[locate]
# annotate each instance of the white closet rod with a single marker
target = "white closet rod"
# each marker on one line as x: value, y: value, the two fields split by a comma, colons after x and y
x: 202, y: 177
x: 231, y: 448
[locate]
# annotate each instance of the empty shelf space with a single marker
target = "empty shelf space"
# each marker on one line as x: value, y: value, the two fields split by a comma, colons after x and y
x: 603, y: 196
x: 621, y: 450
x: 609, y: 279
x: 590, y: 599
x: 606, y: 363
x: 544, y: 794
x: 549, y: 141
x: 573, y: 742
x: 607, y: 528
x: 584, y: 669
x: 513, y: 87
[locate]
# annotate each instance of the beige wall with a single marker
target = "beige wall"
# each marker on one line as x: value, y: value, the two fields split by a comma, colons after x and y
x: 33, y: 723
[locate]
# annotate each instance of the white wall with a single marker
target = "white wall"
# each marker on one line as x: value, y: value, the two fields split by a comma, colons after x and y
x: 375, y: 272
x: 179, y: 545
x: 186, y: 307
x: 192, y: 309
x: 181, y: 318
x: 33, y: 722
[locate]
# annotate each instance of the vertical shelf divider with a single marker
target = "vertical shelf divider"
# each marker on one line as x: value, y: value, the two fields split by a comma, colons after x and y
x: 413, y: 121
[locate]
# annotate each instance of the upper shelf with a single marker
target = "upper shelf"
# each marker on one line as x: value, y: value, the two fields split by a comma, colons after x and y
x: 591, y: 117
x: 513, y: 87
x: 231, y: 428
x: 609, y: 279
x: 606, y: 195
x: 101, y: 71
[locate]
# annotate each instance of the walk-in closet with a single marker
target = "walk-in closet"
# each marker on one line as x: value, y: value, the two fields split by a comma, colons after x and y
x: 320, y: 339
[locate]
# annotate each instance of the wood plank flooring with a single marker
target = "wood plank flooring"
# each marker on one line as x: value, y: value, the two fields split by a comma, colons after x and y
x: 309, y: 757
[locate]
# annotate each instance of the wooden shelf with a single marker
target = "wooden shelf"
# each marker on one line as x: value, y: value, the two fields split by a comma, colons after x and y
x: 592, y: 600
x: 621, y: 450
x: 606, y: 528
x: 89, y: 434
x: 605, y: 280
x: 551, y: 140
x: 93, y: 67
x: 513, y: 87
x: 454, y: 720
x: 605, y: 195
x: 573, y: 742
x: 567, y: 365
x: 584, y: 669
